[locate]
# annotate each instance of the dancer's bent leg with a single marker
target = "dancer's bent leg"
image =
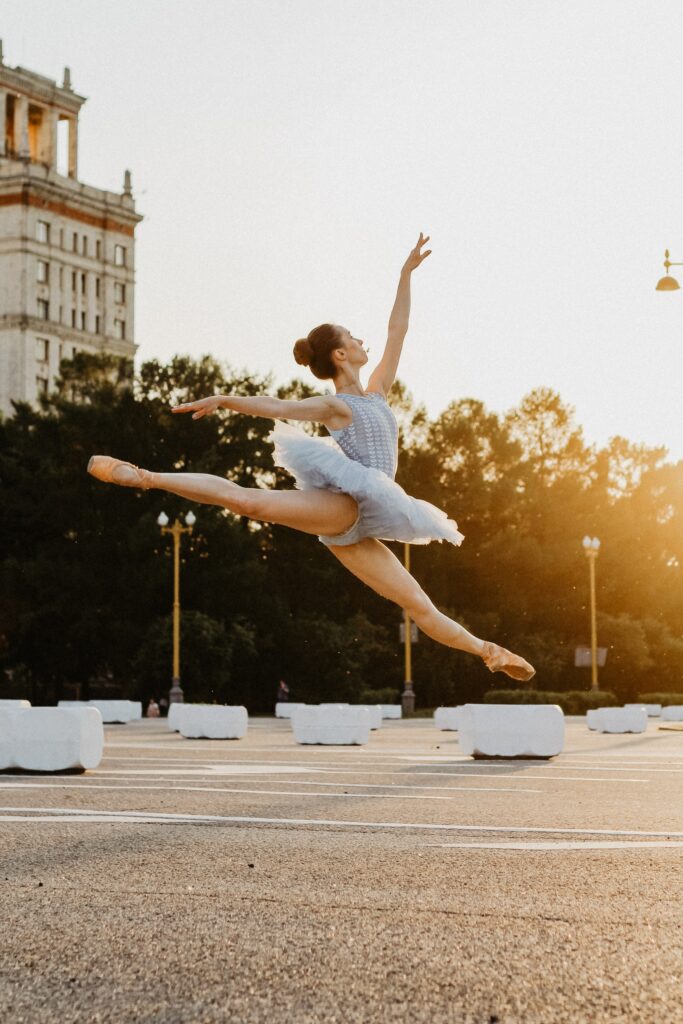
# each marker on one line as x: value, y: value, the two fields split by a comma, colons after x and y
x: 317, y: 512
x: 374, y: 564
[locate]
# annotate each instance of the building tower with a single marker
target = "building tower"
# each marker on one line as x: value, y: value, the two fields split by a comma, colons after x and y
x: 67, y: 250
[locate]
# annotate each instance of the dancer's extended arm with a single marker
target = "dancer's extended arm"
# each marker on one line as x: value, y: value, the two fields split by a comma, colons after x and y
x: 383, y: 376
x: 326, y: 409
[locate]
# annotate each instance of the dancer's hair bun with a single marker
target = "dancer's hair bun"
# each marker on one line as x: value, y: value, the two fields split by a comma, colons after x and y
x: 303, y: 352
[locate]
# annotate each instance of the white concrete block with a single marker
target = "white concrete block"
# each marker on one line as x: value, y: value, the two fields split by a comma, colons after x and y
x: 447, y: 718
x: 114, y: 711
x: 331, y: 725
x: 213, y: 722
x: 511, y: 730
x: 136, y: 710
x: 619, y: 720
x: 285, y: 709
x: 173, y: 718
x: 672, y: 713
x: 653, y: 710
x: 375, y: 712
x: 593, y: 718
x: 6, y: 702
x: 7, y: 719
x: 58, y: 739
x: 391, y: 710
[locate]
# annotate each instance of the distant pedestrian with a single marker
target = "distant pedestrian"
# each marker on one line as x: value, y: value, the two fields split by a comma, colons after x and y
x: 163, y: 707
x: 282, y: 692
x: 153, y: 709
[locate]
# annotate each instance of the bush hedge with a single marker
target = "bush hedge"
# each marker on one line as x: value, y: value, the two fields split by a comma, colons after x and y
x: 572, y: 702
x: 661, y: 698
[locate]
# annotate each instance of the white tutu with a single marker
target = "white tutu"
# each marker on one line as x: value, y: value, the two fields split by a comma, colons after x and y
x: 385, y: 510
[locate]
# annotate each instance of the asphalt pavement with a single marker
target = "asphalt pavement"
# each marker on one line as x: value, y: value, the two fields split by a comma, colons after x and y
x: 261, y: 881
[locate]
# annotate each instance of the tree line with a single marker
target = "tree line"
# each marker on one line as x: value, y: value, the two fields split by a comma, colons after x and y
x: 85, y: 575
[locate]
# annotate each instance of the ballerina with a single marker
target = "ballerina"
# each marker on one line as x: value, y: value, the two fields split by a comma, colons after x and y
x: 346, y: 492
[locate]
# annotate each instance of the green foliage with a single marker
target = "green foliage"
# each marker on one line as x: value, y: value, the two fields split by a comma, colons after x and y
x: 675, y: 698
x: 385, y: 695
x: 572, y: 702
x: 86, y: 577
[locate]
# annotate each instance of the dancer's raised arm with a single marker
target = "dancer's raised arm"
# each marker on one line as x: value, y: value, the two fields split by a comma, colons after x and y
x: 384, y: 375
x: 320, y: 409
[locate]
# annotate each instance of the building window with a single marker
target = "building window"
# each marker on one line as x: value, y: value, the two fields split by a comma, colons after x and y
x: 120, y: 329
x: 119, y: 292
x: 73, y: 317
x: 43, y: 309
x: 43, y: 231
x: 41, y: 386
x: 84, y: 242
x: 61, y: 238
x: 42, y: 350
x: 97, y: 287
x: 82, y: 321
x: 73, y: 280
x: 98, y: 249
x: 119, y: 255
x: 74, y: 243
x: 97, y: 323
x: 42, y: 272
x: 83, y: 285
x: 61, y: 277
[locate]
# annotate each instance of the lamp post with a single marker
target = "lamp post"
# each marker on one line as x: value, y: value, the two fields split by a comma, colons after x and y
x: 408, y: 695
x: 591, y: 545
x: 667, y: 283
x: 175, y: 695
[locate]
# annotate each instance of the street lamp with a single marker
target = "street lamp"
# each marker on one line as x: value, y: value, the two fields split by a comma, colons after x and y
x: 591, y: 545
x: 667, y: 283
x: 175, y: 695
x: 408, y: 695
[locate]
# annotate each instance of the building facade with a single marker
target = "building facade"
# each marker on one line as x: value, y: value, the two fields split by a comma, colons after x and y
x: 67, y: 250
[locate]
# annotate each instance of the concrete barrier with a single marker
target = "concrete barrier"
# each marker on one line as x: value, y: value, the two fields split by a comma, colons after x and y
x: 593, y: 718
x: 673, y: 713
x: 653, y: 710
x: 511, y: 730
x: 283, y: 709
x: 447, y: 718
x: 136, y: 710
x: 173, y: 717
x: 57, y: 739
x: 391, y: 710
x: 620, y: 720
x: 213, y: 722
x: 114, y: 711
x: 375, y: 712
x: 6, y: 702
x: 7, y: 719
x: 331, y: 725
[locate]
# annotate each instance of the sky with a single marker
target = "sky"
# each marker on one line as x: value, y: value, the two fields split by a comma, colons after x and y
x: 287, y: 153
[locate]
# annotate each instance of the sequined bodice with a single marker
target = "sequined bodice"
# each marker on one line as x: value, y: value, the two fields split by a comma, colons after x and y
x: 372, y: 436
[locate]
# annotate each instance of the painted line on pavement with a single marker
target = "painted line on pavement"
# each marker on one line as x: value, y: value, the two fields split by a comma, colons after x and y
x: 277, y: 792
x: 561, y: 847
x: 57, y: 814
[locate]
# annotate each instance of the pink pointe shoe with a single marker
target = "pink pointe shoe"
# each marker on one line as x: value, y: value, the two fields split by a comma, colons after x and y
x: 113, y: 471
x: 498, y: 659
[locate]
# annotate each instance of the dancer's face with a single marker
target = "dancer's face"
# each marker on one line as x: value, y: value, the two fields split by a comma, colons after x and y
x: 354, y: 348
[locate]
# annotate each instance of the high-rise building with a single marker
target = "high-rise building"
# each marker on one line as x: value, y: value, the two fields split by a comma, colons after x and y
x: 67, y: 250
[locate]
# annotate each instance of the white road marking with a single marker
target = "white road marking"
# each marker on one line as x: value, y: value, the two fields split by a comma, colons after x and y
x: 560, y: 847
x: 57, y: 814
x: 278, y: 792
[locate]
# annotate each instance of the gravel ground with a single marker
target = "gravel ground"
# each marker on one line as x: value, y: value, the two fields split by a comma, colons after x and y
x: 359, y: 884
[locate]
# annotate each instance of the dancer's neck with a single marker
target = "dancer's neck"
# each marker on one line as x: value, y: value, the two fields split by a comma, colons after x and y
x: 349, y: 384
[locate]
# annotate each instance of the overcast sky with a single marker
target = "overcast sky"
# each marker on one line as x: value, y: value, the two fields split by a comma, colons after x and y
x: 287, y: 154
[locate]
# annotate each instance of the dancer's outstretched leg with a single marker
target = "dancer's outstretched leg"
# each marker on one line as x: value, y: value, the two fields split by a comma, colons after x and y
x: 378, y: 567
x: 316, y: 512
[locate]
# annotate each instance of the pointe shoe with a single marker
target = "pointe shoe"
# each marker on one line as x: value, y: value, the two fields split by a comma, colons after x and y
x: 498, y: 659
x: 113, y: 471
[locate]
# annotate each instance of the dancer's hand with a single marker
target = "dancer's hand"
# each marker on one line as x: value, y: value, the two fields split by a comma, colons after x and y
x: 416, y: 257
x: 201, y: 407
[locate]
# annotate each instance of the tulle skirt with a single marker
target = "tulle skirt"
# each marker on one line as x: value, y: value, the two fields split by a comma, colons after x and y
x: 385, y: 510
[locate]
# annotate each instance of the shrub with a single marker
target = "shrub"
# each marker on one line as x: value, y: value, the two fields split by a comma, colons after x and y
x: 572, y: 702
x: 387, y: 695
x: 661, y: 698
